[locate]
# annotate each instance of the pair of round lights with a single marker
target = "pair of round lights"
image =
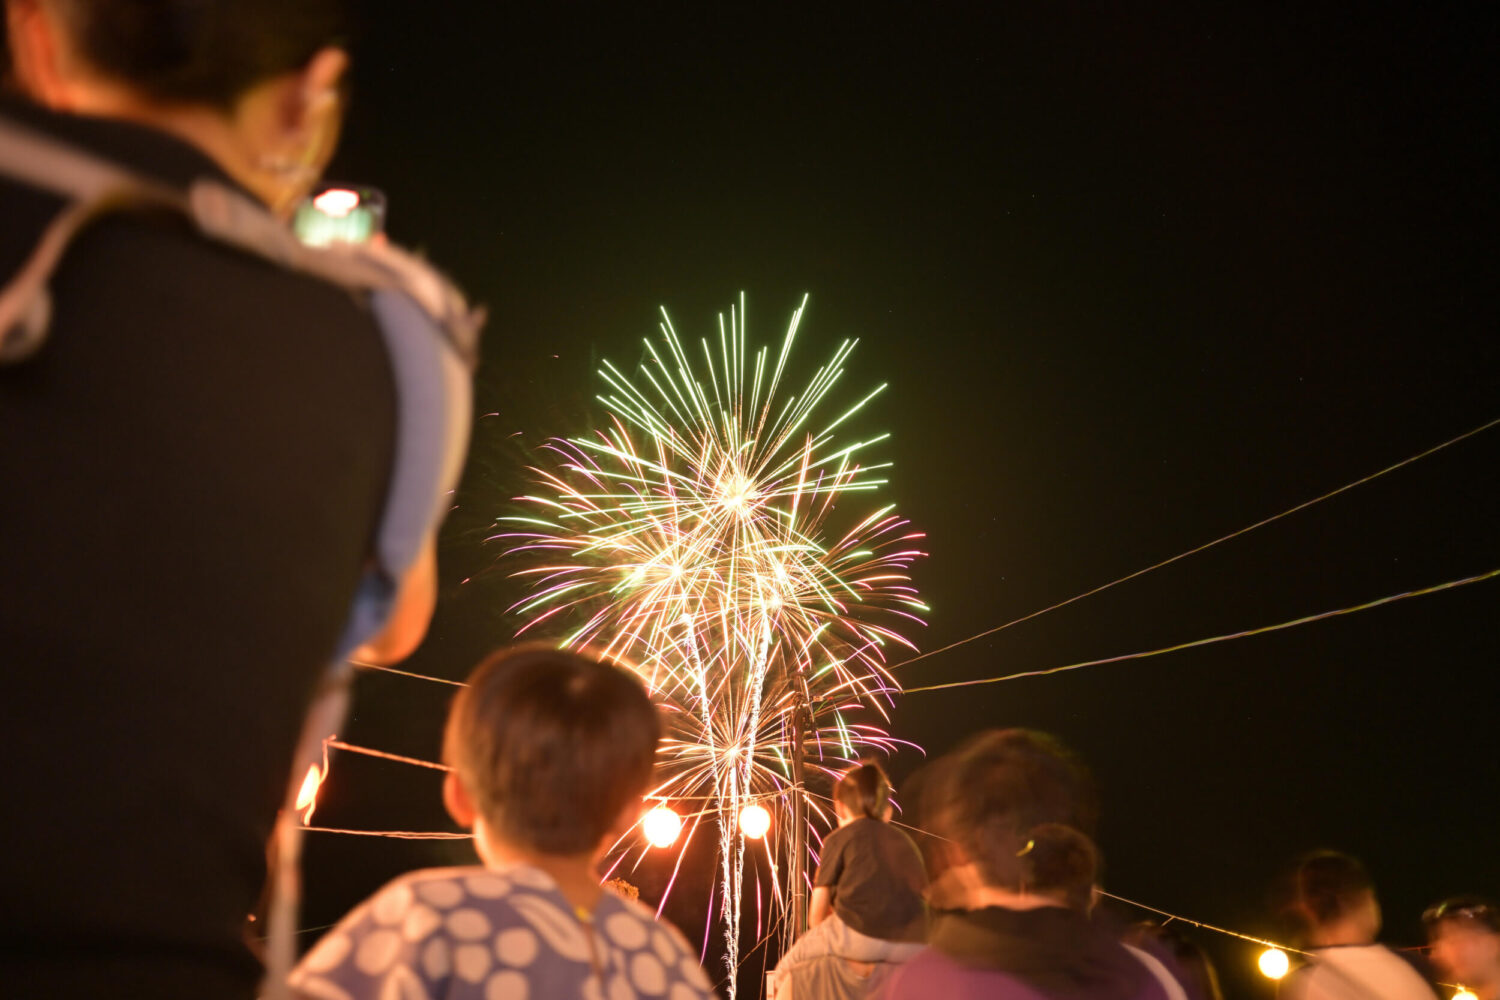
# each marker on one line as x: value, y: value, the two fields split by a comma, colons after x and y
x: 662, y: 825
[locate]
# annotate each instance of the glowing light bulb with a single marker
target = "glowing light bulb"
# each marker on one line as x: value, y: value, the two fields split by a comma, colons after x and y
x: 1464, y: 994
x: 337, y: 202
x: 307, y: 795
x: 754, y: 821
x: 1274, y: 964
x: 661, y: 826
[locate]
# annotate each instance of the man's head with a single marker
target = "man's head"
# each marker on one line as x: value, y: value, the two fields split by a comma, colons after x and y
x: 550, y: 750
x: 863, y: 792
x: 1330, y: 898
x: 255, y: 85
x: 1465, y: 936
x: 986, y: 799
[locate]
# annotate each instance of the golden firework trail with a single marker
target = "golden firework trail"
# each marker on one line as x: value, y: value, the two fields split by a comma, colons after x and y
x: 695, y: 539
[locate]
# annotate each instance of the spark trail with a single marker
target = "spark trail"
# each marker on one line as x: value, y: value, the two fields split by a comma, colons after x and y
x: 695, y: 538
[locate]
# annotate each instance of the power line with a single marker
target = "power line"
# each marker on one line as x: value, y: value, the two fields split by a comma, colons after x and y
x: 1207, y: 545
x: 1212, y: 639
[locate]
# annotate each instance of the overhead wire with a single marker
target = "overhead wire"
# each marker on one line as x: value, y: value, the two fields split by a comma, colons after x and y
x: 1306, y: 619
x: 1201, y: 548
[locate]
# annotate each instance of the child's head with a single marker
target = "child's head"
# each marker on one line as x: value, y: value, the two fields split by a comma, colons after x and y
x: 550, y: 748
x: 862, y: 793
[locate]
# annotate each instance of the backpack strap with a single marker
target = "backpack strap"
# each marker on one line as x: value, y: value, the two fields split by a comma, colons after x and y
x: 430, y: 333
x: 1168, y: 982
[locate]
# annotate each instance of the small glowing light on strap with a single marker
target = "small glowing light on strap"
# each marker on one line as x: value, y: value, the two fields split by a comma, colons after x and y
x: 337, y: 202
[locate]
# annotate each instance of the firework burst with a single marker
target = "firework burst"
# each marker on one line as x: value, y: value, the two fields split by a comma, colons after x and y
x: 694, y: 538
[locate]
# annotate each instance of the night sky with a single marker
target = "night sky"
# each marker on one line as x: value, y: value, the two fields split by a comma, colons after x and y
x: 1136, y: 278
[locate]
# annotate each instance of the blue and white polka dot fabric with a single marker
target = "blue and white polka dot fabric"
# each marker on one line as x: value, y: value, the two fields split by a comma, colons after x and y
x: 497, y: 935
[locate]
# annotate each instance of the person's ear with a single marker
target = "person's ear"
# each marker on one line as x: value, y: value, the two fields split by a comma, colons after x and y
x: 34, y: 53
x: 312, y: 104
x: 289, y: 128
x: 456, y: 800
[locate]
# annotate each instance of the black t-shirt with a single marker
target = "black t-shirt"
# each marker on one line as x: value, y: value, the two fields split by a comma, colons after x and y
x: 191, y: 471
x: 877, y: 877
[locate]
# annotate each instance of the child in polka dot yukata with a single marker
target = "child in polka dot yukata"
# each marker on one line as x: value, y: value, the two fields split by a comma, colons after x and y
x: 551, y: 752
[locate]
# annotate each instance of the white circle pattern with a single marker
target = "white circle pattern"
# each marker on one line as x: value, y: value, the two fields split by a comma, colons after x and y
x: 468, y: 924
x: 471, y: 962
x: 377, y: 952
x: 619, y: 989
x: 436, y: 959
x: 626, y: 930
x: 403, y: 984
x: 330, y: 951
x: 391, y: 905
x: 487, y: 886
x: 516, y: 947
x: 531, y: 878
x: 507, y: 985
x: 648, y: 975
x: 661, y: 943
x: 420, y: 922
x: 441, y: 893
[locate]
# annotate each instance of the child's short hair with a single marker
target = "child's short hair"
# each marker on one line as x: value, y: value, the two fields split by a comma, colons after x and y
x: 864, y: 791
x: 552, y: 746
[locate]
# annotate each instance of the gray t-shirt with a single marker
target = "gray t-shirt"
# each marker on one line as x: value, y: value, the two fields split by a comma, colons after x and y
x: 476, y: 934
x: 877, y: 877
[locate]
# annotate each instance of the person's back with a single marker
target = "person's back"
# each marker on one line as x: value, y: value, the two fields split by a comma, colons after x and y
x: 194, y: 465
x: 1046, y: 953
x: 868, y: 909
x: 1015, y: 871
x: 501, y: 932
x: 1330, y: 899
x: 195, y: 461
x: 876, y: 876
x: 1357, y: 972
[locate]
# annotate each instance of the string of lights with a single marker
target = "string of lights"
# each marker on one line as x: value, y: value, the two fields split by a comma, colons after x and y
x: 663, y: 825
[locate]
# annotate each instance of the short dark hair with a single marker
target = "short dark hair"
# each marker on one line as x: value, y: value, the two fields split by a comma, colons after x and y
x: 200, y: 51
x: 1322, y: 886
x: 864, y: 791
x: 997, y: 788
x: 552, y: 746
